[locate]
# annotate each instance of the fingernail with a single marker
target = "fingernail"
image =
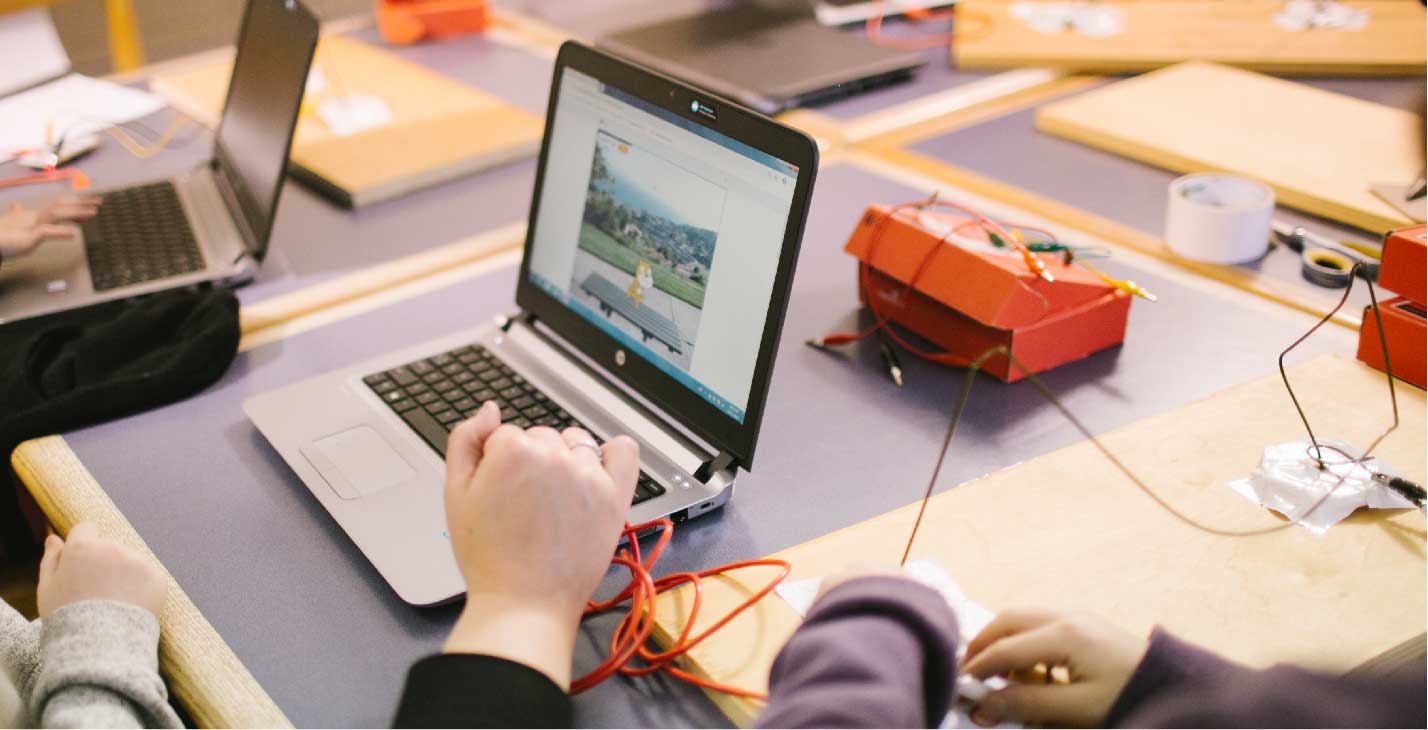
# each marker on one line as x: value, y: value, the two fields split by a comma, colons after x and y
x: 488, y: 405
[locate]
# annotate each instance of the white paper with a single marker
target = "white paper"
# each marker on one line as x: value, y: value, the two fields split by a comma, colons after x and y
x: 30, y: 35
x: 348, y: 115
x: 971, y: 619
x: 74, y: 105
x: 1289, y: 482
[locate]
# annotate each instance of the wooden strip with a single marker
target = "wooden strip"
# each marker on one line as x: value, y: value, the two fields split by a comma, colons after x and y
x: 947, y: 101
x: 274, y: 311
x: 1067, y: 531
x: 1112, y: 232
x: 978, y: 112
x: 202, y: 672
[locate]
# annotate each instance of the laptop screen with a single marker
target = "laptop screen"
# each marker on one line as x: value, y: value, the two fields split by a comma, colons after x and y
x: 275, y: 49
x: 663, y: 233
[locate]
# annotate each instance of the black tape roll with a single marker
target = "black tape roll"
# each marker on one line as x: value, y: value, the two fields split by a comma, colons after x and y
x: 1326, y: 268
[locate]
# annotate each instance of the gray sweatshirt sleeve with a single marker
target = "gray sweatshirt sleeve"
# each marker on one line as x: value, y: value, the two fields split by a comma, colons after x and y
x: 19, y: 657
x: 99, y: 667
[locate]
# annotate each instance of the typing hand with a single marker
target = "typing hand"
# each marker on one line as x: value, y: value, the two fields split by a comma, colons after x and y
x: 87, y: 567
x: 534, y: 517
x: 1099, y: 658
x: 23, y: 230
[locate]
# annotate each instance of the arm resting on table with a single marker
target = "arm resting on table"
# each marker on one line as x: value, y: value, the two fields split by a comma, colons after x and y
x: 1179, y: 685
x: 472, y: 690
x: 873, y: 652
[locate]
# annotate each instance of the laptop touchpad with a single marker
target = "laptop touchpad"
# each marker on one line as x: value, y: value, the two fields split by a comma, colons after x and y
x: 358, y: 462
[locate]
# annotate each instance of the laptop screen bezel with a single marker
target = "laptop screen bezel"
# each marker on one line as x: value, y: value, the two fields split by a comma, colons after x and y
x: 256, y: 228
x: 681, y: 404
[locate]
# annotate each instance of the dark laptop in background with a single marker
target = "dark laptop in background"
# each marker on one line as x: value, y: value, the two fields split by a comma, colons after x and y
x: 663, y: 234
x: 769, y: 56
x: 208, y: 225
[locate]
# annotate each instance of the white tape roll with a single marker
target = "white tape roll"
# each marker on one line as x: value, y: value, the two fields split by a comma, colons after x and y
x: 1219, y: 219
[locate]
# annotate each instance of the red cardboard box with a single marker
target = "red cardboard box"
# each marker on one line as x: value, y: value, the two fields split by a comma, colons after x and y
x: 967, y: 300
x: 1405, y: 334
x: 1405, y: 266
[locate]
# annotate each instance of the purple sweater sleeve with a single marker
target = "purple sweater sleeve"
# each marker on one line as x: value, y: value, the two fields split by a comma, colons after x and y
x: 1179, y: 685
x: 878, y: 651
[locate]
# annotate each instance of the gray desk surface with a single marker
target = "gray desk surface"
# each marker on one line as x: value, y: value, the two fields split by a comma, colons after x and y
x: 331, y: 643
x: 315, y: 239
x: 1131, y: 192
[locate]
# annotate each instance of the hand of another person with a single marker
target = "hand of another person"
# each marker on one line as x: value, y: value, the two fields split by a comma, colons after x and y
x: 534, y: 517
x: 87, y: 567
x: 23, y: 230
x: 1099, y: 658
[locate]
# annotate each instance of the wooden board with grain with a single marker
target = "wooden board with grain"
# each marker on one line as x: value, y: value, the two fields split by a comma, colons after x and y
x: 441, y: 128
x: 1067, y: 531
x: 1163, y: 32
x: 1320, y: 151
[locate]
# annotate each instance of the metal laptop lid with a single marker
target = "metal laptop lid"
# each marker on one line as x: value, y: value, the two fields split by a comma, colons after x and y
x: 275, y: 49
x: 663, y: 235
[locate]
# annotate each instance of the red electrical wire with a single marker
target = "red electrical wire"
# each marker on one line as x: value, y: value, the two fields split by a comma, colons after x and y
x: 874, y: 28
x: 630, y: 640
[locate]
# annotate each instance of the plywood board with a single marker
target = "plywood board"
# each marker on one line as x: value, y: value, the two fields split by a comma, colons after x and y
x: 1321, y: 152
x: 441, y: 128
x: 1160, y: 32
x: 1067, y: 531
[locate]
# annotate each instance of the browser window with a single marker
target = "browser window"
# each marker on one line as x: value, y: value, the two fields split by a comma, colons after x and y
x: 663, y: 233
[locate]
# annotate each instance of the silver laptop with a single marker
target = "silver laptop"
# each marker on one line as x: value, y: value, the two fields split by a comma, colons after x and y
x: 663, y: 233
x: 207, y: 225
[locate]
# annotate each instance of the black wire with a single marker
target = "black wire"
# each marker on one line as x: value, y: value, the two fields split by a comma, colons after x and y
x: 1051, y: 398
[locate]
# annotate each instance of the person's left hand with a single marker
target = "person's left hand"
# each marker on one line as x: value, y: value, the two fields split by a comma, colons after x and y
x: 22, y: 230
x: 87, y: 567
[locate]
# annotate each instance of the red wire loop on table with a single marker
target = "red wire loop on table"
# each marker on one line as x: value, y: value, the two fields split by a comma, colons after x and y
x: 630, y: 640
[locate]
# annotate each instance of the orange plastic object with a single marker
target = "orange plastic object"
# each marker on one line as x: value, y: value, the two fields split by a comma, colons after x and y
x: 966, y: 300
x: 1405, y: 265
x: 403, y: 22
x: 1405, y: 334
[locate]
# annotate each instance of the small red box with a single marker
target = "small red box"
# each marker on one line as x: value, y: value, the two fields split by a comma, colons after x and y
x: 967, y: 300
x: 1404, y: 270
x: 403, y: 22
x: 1405, y: 334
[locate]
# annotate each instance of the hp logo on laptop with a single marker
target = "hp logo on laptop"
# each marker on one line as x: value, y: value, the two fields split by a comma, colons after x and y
x: 694, y: 106
x: 620, y: 357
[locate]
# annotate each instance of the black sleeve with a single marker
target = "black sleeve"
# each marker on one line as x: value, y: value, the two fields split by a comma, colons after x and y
x: 472, y: 690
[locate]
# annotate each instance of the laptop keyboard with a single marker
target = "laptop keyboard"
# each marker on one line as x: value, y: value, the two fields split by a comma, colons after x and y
x: 435, y: 394
x: 141, y: 234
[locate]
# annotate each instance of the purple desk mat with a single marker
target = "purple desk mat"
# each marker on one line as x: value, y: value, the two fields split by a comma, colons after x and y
x: 315, y: 239
x: 1011, y: 150
x: 323, y: 634
x: 594, y: 19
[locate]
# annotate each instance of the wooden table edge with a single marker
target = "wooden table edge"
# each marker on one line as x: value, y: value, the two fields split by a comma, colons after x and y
x: 203, y: 674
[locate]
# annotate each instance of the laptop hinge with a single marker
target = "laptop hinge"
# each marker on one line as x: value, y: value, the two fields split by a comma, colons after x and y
x: 706, y: 471
x: 524, y: 317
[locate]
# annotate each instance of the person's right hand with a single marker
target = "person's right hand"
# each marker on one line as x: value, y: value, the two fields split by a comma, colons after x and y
x: 87, y: 567
x: 1099, y: 658
x: 23, y: 230
x: 534, y: 519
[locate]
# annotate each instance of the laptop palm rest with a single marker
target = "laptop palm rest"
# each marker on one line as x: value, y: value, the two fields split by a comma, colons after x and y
x: 358, y: 462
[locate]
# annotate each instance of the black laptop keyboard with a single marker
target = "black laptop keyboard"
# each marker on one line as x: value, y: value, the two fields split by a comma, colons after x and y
x: 141, y: 234
x: 435, y: 394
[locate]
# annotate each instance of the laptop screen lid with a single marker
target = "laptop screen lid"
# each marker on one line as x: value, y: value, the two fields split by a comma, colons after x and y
x: 663, y: 235
x: 275, y: 49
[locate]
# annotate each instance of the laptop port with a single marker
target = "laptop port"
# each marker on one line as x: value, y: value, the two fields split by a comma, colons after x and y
x: 680, y: 516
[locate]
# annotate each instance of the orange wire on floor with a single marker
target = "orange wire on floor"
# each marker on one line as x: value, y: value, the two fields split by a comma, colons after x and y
x: 630, y: 641
x: 874, y: 28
